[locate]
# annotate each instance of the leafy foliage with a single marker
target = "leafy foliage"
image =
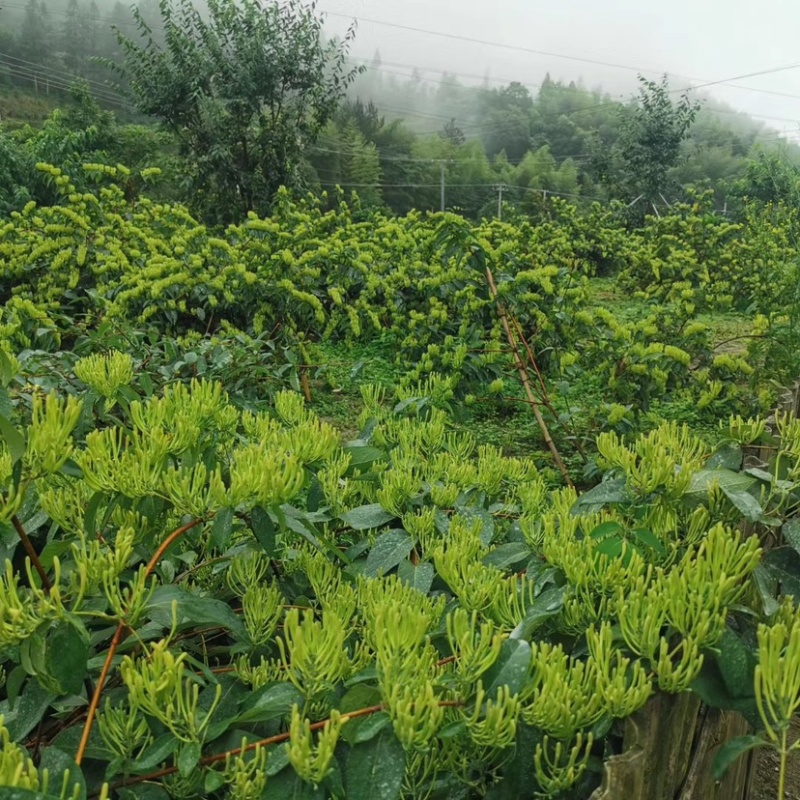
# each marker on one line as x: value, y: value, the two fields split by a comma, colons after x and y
x: 245, y: 91
x: 310, y: 655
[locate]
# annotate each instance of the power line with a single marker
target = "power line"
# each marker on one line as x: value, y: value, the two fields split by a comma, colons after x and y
x: 492, y: 186
x: 59, y: 73
x: 518, y: 48
x: 730, y: 111
x: 506, y: 81
x: 78, y: 15
x: 594, y: 62
x: 56, y: 84
x: 54, y: 77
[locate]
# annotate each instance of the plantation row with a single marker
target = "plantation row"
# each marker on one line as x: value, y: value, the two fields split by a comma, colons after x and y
x: 417, y: 284
x: 452, y: 625
x: 207, y: 593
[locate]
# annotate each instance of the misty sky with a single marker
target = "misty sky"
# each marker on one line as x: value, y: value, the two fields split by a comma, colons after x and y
x: 705, y: 40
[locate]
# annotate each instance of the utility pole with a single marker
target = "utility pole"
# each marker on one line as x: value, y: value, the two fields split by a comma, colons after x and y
x: 500, y: 189
x: 441, y: 165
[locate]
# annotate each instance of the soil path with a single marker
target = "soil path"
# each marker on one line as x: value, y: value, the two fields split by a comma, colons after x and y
x: 765, y: 781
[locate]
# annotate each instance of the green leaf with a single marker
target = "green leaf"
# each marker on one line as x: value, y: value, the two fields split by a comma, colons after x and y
x: 363, y: 455
x: 188, y: 756
x: 14, y: 683
x: 272, y: 701
x: 736, y: 664
x: 371, y: 726
x: 214, y: 780
x: 470, y: 513
x: 731, y: 750
x: 57, y: 762
x: 744, y: 502
x: 544, y: 607
x: 66, y: 656
x: 511, y: 669
x: 791, y: 533
x: 728, y: 456
x: 264, y: 530
x: 606, y: 529
x: 71, y: 469
x: 783, y: 566
x: 287, y: 785
x: 710, y: 687
x: 361, y: 695
x: 649, y: 539
x: 767, y: 587
x: 7, y: 793
x: 388, y: 551
x: 27, y: 712
x: 519, y: 770
x: 156, y: 754
x: 613, y: 491
x: 7, y: 368
x: 366, y: 517
x: 703, y: 480
x: 375, y: 769
x: 611, y: 546
x: 508, y: 554
x: 221, y: 530
x: 419, y: 576
x: 6, y: 406
x: 194, y: 609
x: 277, y: 759
x: 90, y: 517
x: 14, y: 439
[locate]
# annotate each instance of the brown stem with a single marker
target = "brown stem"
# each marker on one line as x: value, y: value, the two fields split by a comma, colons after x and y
x: 531, y: 359
x: 98, y: 689
x: 305, y: 385
x: 526, y: 381
x: 545, y: 396
x: 277, y: 739
x: 29, y: 549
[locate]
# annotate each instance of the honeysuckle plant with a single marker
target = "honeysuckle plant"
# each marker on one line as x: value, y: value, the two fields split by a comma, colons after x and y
x: 272, y: 289
x: 206, y: 592
x: 210, y: 600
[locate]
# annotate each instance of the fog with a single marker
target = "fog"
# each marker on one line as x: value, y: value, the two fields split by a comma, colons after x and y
x: 694, y: 42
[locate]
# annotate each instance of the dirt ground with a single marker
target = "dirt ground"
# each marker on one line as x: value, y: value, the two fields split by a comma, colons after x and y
x: 765, y: 781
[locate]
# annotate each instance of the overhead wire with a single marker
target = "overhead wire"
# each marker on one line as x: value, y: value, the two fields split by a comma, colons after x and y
x: 370, y: 64
x: 703, y: 84
x: 109, y: 95
x: 455, y: 84
x: 58, y: 73
x: 564, y: 56
x: 56, y: 84
x: 77, y: 14
x: 507, y: 187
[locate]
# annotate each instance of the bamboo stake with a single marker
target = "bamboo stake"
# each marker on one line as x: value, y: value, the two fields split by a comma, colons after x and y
x: 526, y: 381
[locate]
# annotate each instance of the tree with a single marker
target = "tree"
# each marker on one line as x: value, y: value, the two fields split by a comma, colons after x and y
x: 507, y: 121
x: 650, y: 143
x: 453, y: 133
x: 74, y: 44
x: 247, y: 89
x: 34, y: 33
x: 770, y: 177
